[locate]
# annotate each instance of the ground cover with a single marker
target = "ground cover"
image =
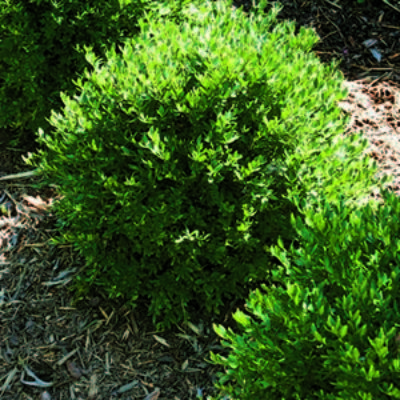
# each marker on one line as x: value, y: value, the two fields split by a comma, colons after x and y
x: 96, y: 349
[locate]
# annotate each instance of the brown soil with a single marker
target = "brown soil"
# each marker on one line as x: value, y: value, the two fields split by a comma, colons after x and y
x: 97, y: 349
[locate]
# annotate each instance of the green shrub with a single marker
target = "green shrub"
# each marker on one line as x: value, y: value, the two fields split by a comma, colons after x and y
x: 41, y: 52
x: 176, y: 159
x: 329, y: 329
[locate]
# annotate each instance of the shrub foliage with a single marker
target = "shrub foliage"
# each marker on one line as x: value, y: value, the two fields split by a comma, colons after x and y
x: 330, y: 330
x: 178, y: 160
x: 42, y: 50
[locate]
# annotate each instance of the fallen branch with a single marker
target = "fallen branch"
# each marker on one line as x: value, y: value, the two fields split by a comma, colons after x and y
x: 21, y: 175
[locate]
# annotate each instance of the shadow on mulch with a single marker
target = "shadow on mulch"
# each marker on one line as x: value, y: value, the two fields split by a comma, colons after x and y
x: 98, y: 349
x: 365, y: 38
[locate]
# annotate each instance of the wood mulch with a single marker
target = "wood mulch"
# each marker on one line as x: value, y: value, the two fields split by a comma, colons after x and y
x: 98, y: 349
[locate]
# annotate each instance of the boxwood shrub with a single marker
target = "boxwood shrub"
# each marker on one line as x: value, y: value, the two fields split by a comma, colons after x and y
x: 330, y: 328
x: 42, y: 51
x: 178, y: 159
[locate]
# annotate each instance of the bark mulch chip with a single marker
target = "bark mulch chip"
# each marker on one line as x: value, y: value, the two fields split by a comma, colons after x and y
x: 98, y: 349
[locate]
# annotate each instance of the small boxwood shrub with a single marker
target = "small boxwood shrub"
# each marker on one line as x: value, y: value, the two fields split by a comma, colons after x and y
x: 178, y: 159
x: 42, y: 50
x: 330, y: 328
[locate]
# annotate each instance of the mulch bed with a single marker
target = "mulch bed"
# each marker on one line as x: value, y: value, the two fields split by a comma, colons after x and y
x: 98, y: 349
